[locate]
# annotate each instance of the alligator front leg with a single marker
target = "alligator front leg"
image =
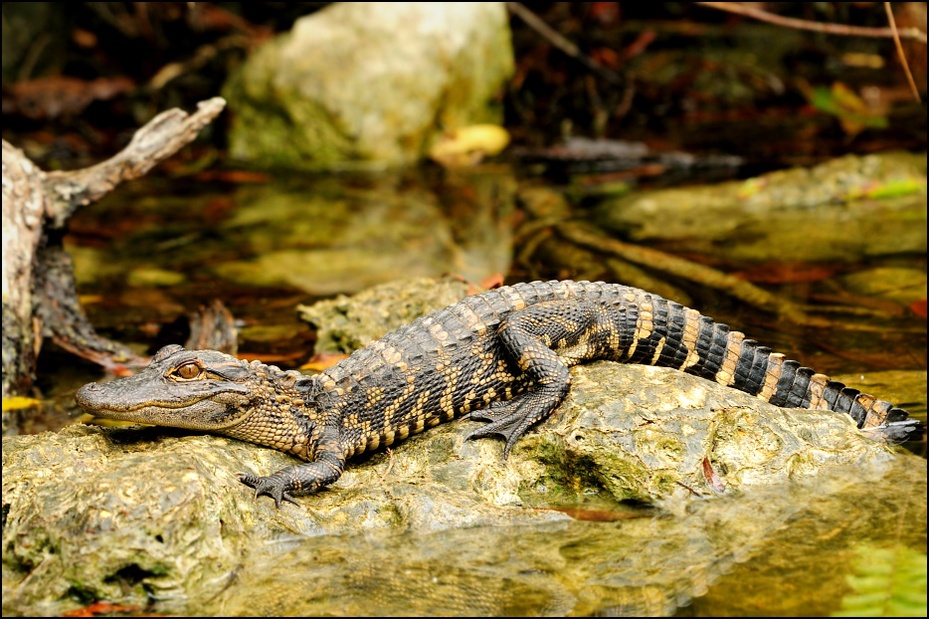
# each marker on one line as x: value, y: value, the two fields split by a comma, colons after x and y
x: 302, y: 479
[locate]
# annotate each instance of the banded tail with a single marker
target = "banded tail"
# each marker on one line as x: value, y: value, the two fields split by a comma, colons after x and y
x: 669, y: 334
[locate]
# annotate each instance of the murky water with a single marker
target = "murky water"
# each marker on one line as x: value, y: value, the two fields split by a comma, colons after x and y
x: 156, y: 249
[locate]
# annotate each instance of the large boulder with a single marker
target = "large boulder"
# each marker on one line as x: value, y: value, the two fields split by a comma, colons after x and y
x: 370, y: 84
x: 128, y: 515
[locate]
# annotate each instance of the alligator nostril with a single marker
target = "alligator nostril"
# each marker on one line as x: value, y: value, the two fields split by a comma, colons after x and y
x: 85, y: 393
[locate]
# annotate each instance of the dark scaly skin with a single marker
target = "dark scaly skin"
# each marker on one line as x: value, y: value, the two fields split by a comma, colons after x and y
x: 501, y: 356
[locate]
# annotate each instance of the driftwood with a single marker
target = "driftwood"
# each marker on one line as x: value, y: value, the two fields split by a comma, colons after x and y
x: 39, y: 298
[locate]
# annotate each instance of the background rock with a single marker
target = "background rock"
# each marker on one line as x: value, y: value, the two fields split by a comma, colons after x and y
x: 848, y: 209
x: 370, y: 84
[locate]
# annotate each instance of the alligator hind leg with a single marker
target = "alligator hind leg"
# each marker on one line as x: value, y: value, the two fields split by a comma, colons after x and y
x: 530, y: 338
x: 511, y: 418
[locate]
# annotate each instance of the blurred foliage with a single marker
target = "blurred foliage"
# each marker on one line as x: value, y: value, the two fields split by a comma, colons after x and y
x: 886, y: 582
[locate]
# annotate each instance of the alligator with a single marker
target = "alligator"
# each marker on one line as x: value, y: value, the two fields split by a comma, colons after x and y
x: 501, y: 357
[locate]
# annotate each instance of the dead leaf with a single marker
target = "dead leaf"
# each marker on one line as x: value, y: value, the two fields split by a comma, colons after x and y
x: 786, y: 273
x: 323, y: 361
x: 711, y: 477
x: 919, y: 308
x: 53, y: 97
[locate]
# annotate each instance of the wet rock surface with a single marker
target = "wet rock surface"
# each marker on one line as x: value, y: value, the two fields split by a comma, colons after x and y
x: 847, y: 209
x: 347, y: 323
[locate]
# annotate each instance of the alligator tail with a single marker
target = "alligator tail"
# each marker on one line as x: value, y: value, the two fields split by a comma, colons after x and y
x: 682, y: 338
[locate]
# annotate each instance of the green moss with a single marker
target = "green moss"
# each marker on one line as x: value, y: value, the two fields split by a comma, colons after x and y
x: 621, y: 478
x: 568, y: 481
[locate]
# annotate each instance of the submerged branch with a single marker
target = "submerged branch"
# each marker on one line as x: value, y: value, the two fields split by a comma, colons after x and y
x: 702, y: 274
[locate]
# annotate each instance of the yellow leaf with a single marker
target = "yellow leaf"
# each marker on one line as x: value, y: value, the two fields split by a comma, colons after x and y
x: 854, y: 113
x: 18, y: 402
x: 468, y: 145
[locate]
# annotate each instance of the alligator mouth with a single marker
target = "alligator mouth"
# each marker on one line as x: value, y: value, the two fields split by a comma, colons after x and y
x: 98, y: 408
x: 93, y: 399
x: 207, y: 411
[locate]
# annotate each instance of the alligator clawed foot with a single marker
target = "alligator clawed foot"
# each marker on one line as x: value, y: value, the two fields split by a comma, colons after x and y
x: 267, y: 486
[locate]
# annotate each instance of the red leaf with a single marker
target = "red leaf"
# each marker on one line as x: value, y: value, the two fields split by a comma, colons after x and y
x: 100, y: 608
x: 786, y: 273
x: 919, y: 308
x: 604, y: 12
x: 711, y: 477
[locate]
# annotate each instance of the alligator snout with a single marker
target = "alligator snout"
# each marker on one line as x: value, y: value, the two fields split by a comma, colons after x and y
x: 87, y: 395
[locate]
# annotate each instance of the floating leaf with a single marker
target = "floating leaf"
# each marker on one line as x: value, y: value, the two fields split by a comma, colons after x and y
x: 468, y: 145
x: 854, y: 113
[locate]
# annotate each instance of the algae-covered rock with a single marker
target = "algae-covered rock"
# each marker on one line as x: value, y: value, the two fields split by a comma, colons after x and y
x: 156, y: 518
x: 347, y: 323
x: 124, y: 514
x: 843, y: 210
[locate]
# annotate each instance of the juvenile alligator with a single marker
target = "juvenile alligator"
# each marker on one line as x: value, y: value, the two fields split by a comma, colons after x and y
x: 501, y: 356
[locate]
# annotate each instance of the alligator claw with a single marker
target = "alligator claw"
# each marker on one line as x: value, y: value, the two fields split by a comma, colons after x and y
x: 513, y: 418
x: 265, y: 486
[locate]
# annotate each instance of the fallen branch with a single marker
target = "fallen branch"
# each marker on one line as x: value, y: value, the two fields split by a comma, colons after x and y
x: 159, y: 139
x: 824, y: 27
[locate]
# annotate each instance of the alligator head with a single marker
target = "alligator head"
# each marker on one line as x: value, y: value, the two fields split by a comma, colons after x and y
x: 193, y: 389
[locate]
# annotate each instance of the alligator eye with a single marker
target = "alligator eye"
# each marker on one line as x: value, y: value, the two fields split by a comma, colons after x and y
x: 188, y: 371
